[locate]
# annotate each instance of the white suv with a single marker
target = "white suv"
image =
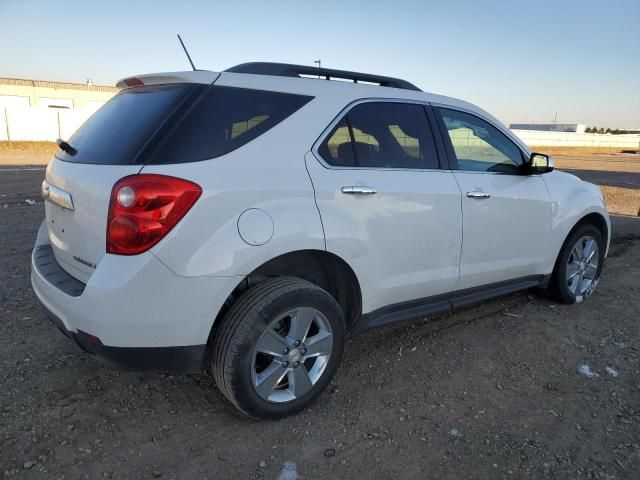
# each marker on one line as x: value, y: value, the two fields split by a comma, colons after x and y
x: 244, y: 222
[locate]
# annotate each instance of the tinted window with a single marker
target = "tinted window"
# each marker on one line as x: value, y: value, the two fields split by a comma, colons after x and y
x: 337, y: 148
x: 478, y: 145
x: 118, y: 131
x: 383, y: 135
x: 224, y: 119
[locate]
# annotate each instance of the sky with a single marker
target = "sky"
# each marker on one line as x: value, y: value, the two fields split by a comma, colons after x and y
x: 521, y: 61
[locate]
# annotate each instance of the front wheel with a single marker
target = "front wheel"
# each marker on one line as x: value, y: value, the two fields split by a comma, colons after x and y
x: 579, y: 265
x: 278, y: 347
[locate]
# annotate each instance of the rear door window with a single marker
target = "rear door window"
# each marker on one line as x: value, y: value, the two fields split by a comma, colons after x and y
x: 337, y: 149
x: 382, y: 135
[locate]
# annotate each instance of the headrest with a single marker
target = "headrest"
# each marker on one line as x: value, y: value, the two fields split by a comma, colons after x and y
x: 412, y: 129
x: 364, y: 152
x: 345, y: 155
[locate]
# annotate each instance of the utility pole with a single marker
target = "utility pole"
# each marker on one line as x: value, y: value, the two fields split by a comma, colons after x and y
x: 6, y: 123
x: 319, y: 62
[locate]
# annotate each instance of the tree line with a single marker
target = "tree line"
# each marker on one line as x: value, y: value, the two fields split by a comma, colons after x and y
x: 616, y: 131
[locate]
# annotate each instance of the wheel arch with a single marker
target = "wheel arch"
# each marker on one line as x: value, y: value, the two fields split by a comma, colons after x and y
x: 322, y: 268
x: 596, y: 219
x: 557, y: 283
x: 593, y: 218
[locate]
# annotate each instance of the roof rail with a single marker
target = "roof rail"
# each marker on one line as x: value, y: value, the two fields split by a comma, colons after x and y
x: 289, y: 70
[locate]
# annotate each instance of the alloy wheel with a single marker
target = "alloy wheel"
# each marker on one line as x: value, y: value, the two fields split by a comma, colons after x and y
x: 582, y: 265
x: 291, y: 355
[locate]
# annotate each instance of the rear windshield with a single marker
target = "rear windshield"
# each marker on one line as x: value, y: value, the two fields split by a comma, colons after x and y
x: 117, y: 132
x: 178, y: 124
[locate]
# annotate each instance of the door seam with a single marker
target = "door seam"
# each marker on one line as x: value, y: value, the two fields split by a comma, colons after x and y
x: 315, y: 197
x: 461, y: 228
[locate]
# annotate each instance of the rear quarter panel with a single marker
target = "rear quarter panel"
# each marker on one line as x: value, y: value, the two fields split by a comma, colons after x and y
x: 268, y: 174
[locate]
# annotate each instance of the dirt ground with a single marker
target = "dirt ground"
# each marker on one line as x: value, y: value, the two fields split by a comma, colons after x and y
x: 617, y: 174
x: 501, y: 390
x: 26, y: 153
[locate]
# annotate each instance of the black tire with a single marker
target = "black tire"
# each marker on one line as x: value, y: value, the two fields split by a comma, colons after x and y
x: 243, y: 326
x: 558, y: 286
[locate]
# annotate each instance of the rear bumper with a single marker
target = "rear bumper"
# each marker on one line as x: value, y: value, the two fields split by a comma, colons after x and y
x: 179, y: 360
x: 133, y: 312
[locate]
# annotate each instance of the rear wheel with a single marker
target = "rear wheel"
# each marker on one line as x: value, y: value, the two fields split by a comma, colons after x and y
x: 278, y: 347
x: 578, y: 268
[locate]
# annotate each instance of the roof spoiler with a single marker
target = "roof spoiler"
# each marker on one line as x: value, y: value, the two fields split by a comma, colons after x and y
x: 198, y: 76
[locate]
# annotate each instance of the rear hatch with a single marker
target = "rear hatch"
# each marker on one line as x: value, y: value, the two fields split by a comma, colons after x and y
x: 109, y: 146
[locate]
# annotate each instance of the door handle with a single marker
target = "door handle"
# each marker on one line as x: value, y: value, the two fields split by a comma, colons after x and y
x: 359, y: 190
x: 478, y: 195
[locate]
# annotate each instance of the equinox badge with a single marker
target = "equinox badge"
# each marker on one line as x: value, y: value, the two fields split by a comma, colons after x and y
x: 84, y: 262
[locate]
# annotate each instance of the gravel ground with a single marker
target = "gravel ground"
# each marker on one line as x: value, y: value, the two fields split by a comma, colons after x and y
x: 520, y: 387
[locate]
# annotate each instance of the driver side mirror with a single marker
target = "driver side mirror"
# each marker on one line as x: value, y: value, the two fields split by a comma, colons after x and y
x: 539, y: 163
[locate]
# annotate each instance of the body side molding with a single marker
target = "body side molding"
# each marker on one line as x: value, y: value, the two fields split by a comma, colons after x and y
x: 444, y: 303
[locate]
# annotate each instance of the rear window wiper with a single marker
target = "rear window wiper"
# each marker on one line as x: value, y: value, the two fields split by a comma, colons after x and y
x: 64, y: 146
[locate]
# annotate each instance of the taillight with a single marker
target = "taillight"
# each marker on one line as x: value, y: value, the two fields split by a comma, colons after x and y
x: 144, y: 208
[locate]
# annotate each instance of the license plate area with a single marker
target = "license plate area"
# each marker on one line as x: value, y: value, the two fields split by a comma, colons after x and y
x: 56, y: 222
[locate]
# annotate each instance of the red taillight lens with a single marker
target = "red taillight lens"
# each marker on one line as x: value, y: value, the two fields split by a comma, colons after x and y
x: 144, y: 208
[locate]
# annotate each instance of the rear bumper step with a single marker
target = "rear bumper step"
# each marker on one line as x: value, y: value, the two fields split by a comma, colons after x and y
x: 45, y: 263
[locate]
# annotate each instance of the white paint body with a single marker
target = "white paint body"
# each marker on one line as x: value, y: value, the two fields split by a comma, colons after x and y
x: 419, y: 236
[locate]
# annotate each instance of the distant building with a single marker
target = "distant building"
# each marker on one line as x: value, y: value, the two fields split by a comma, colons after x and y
x: 17, y: 92
x: 549, y: 127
